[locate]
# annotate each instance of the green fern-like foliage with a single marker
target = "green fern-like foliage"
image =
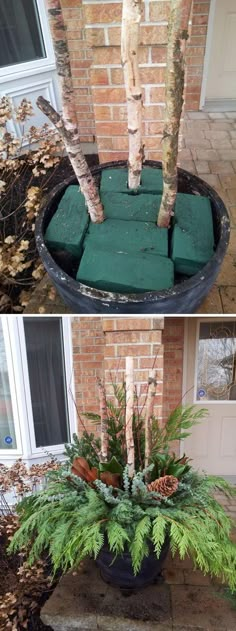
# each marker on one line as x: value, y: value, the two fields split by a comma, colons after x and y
x: 71, y: 519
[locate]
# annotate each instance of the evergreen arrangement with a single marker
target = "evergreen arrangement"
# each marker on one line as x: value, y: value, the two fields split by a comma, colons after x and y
x: 113, y: 490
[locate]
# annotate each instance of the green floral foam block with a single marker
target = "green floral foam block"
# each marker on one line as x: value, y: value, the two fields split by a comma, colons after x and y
x: 124, y: 272
x: 69, y: 223
x: 192, y: 243
x: 128, y: 237
x: 116, y: 181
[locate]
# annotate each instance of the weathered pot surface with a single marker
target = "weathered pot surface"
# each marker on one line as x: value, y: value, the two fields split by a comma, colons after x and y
x: 184, y: 297
x: 118, y: 571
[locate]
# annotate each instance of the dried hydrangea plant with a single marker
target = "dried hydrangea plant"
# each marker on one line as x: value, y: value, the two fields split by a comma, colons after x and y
x: 26, y: 165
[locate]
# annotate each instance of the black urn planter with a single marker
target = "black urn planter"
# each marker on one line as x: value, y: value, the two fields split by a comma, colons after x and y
x: 185, y: 297
x: 118, y: 571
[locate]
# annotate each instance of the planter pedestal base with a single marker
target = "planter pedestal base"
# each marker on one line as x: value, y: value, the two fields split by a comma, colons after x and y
x: 83, y: 601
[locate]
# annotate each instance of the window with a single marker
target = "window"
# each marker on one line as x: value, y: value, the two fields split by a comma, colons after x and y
x: 20, y: 32
x: 216, y: 369
x: 7, y: 429
x: 46, y: 370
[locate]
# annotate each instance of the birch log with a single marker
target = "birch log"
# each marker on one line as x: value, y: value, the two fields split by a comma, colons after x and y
x: 67, y: 123
x: 129, y: 381
x: 131, y: 18
x: 149, y: 413
x: 103, y: 415
x: 177, y: 38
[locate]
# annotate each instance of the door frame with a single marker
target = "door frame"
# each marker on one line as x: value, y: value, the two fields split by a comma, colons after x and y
x: 38, y: 66
x: 209, y: 37
x: 198, y: 321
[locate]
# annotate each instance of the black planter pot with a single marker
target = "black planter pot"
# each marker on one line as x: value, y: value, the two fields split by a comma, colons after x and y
x: 119, y: 572
x: 184, y: 297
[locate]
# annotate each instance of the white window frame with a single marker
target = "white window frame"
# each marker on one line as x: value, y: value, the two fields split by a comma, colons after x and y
x: 202, y: 402
x: 21, y: 395
x: 9, y: 452
x: 17, y: 71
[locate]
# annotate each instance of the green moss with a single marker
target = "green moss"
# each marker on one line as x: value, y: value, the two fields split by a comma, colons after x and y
x: 68, y: 225
x: 125, y: 273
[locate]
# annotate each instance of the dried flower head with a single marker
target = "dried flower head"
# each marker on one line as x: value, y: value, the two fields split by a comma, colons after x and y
x: 5, y: 110
x: 24, y: 111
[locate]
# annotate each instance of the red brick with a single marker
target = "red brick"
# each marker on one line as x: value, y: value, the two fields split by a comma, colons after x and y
x: 114, y: 36
x: 150, y: 35
x: 95, y: 36
x: 108, y: 95
x: 114, y: 128
x: 152, y: 75
x: 102, y: 13
x: 159, y: 11
x: 120, y: 143
x: 109, y: 156
x: 157, y: 95
x: 158, y: 54
x: 102, y: 112
x: 99, y: 76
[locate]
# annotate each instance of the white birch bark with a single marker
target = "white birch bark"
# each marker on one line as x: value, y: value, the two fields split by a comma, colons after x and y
x: 129, y: 381
x: 149, y: 413
x: 67, y: 123
x: 103, y: 415
x: 177, y: 39
x: 131, y: 18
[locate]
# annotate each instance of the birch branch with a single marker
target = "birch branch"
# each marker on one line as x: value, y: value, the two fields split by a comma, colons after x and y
x: 129, y: 381
x: 149, y: 413
x: 104, y: 417
x: 67, y: 124
x: 177, y: 39
x: 73, y: 148
x: 131, y: 17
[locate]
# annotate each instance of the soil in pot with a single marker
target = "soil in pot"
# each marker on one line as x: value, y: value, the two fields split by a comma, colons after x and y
x: 118, y: 570
x: 128, y: 253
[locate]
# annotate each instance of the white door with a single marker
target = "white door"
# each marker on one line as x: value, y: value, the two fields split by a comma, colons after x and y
x: 210, y: 382
x: 221, y: 47
x: 27, y: 63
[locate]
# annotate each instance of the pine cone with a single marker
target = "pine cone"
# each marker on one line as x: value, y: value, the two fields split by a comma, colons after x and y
x: 166, y: 486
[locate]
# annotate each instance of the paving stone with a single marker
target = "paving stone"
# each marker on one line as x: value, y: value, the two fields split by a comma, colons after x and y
x: 45, y: 299
x: 212, y: 304
x: 196, y: 577
x: 188, y: 165
x: 212, y: 179
x: 202, y: 166
x: 222, y: 166
x: 232, y: 212
x: 228, y: 298
x: 216, y: 115
x: 197, y: 115
x: 200, y: 606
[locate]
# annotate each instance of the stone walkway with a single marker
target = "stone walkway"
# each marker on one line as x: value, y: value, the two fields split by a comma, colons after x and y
x: 209, y: 150
x: 186, y: 601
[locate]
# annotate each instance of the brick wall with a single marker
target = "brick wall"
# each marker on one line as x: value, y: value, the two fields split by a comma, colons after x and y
x: 100, y: 346
x: 102, y: 29
x: 173, y: 341
x: 80, y: 58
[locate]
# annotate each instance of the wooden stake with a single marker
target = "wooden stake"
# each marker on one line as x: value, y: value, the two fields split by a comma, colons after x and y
x: 67, y: 124
x: 177, y: 38
x: 131, y: 18
x: 149, y: 413
x: 104, y: 417
x: 129, y: 381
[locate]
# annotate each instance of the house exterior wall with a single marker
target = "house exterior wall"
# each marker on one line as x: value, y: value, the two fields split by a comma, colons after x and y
x: 94, y: 43
x: 100, y: 346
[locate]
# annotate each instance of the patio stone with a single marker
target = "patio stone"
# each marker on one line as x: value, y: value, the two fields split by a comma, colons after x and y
x: 199, y: 606
x: 83, y: 601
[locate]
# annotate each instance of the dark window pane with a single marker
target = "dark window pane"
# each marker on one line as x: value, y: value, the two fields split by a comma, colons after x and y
x: 20, y: 32
x: 47, y: 380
